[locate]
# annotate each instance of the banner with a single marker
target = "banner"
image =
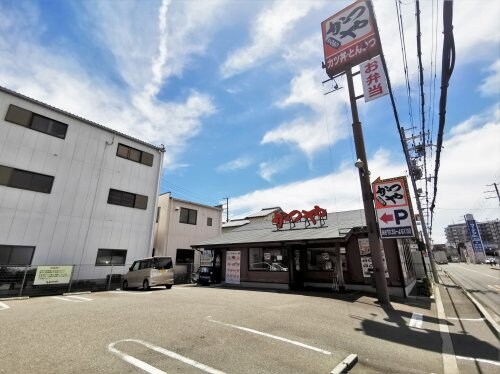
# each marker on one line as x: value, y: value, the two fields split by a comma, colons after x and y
x: 53, y: 275
x: 233, y: 267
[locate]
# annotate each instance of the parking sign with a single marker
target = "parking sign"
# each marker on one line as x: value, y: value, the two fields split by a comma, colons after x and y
x: 394, y: 210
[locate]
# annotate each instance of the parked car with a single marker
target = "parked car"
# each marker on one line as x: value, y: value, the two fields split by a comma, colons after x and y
x: 205, y: 275
x: 490, y: 261
x: 150, y: 272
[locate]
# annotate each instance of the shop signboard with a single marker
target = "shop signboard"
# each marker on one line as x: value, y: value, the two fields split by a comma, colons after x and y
x: 233, y: 259
x: 366, y: 259
x: 316, y: 216
x: 52, y: 275
x: 475, y: 237
x: 350, y: 37
x: 374, y: 79
x: 394, y: 209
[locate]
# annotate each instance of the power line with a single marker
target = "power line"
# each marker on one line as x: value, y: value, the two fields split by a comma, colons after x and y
x: 447, y: 66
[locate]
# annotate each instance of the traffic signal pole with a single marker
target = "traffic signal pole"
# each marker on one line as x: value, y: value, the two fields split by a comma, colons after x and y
x: 366, y: 190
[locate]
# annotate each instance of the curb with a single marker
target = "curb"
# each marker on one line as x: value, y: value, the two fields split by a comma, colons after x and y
x: 482, y: 310
x: 76, y: 293
x: 14, y: 298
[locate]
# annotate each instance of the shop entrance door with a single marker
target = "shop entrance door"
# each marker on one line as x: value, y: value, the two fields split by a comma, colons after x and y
x: 217, y: 265
x: 297, y: 262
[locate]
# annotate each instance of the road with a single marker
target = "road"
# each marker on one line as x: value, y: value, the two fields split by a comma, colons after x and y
x: 191, y: 329
x: 481, y: 281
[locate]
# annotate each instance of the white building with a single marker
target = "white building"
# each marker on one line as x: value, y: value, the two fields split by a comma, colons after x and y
x: 180, y: 224
x: 73, y: 192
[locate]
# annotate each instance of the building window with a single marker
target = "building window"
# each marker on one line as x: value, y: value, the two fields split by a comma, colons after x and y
x: 127, y: 199
x: 108, y: 257
x: 16, y: 255
x: 25, y: 180
x: 133, y: 154
x: 209, y: 221
x: 321, y: 259
x: 188, y: 216
x: 157, y: 218
x: 36, y: 122
x: 268, y: 259
x: 184, y: 256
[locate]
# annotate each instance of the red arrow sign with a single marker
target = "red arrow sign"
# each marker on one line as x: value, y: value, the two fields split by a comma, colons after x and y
x: 387, y: 217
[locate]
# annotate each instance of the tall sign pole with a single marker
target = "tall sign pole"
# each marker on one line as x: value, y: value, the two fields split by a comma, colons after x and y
x: 366, y: 190
x: 350, y: 37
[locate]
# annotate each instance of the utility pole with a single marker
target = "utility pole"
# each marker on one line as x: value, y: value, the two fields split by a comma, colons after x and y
x: 366, y: 190
x: 496, y: 190
x: 428, y: 244
x: 227, y: 208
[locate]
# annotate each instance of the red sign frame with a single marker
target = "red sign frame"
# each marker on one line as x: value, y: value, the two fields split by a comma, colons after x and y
x: 340, y: 57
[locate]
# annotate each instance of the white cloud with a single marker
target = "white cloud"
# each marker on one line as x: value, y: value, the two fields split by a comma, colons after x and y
x: 337, y: 192
x: 315, y: 131
x: 459, y: 192
x: 491, y: 84
x: 270, y: 29
x: 268, y: 169
x: 470, y: 161
x: 237, y: 164
x: 142, y: 58
x: 491, y: 115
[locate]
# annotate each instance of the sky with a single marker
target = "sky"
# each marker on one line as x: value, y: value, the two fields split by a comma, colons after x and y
x: 233, y: 90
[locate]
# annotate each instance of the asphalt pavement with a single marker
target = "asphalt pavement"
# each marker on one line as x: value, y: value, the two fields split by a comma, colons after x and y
x: 475, y: 341
x: 481, y: 281
x: 191, y: 329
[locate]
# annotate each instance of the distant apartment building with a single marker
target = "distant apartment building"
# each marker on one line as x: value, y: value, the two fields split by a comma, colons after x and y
x: 73, y: 192
x: 180, y: 224
x: 489, y: 231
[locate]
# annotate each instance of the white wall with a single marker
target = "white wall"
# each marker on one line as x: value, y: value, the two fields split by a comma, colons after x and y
x: 68, y: 225
x: 172, y: 235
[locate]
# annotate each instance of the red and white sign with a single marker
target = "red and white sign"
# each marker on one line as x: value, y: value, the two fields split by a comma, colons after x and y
x: 394, y: 211
x: 317, y: 215
x: 373, y: 78
x: 350, y: 37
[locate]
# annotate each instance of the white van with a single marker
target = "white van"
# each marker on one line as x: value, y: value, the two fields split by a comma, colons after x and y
x: 151, y: 271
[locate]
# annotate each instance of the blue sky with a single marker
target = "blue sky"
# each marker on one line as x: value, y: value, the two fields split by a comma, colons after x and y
x: 233, y: 90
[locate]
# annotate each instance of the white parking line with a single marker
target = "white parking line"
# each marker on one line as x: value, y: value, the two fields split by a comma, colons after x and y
x: 67, y: 298
x: 151, y: 369
x: 494, y: 287
x: 80, y: 298
x: 131, y: 292
x: 416, y: 320
x: 271, y: 336
x: 466, y: 319
x: 479, y: 360
x: 3, y: 306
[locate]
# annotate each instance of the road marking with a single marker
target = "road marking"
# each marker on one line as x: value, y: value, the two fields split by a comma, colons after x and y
x: 80, y: 298
x: 494, y: 287
x: 67, y: 298
x: 416, y: 320
x: 466, y: 319
x: 131, y: 293
x: 486, y: 275
x: 479, y: 360
x: 449, y: 360
x: 271, y: 336
x: 151, y: 369
x: 3, y: 306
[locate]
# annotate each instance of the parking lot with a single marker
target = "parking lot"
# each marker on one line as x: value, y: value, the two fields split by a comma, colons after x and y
x: 192, y: 329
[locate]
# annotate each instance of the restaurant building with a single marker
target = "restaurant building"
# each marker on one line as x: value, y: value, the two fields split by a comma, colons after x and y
x: 302, y: 249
